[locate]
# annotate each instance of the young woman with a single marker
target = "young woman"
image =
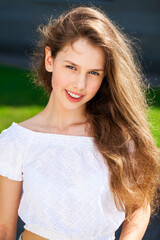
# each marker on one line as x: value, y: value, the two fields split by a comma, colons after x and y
x: 87, y: 162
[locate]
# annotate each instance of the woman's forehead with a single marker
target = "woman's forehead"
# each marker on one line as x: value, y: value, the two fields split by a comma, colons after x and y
x: 82, y: 51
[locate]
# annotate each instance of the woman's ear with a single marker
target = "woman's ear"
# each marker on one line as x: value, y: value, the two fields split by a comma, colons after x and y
x: 48, y: 59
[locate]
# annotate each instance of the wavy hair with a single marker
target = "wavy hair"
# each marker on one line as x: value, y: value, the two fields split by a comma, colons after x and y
x: 118, y: 112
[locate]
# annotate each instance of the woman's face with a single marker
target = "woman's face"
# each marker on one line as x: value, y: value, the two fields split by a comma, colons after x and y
x: 77, y: 73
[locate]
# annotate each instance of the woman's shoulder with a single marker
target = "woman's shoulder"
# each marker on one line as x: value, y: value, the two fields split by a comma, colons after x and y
x: 13, y: 133
x: 20, y: 130
x: 30, y: 133
x: 13, y: 146
x: 31, y: 123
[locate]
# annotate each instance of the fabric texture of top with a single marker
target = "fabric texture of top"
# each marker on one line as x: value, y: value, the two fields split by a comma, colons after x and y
x: 65, y: 192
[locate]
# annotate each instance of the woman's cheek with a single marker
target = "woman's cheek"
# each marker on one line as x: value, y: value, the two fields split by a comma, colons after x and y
x: 94, y: 88
x: 59, y: 81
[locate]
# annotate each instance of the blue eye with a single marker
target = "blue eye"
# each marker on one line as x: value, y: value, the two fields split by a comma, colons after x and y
x: 94, y: 73
x: 70, y: 67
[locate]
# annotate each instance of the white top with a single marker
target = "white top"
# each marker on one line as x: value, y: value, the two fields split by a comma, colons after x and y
x: 66, y: 193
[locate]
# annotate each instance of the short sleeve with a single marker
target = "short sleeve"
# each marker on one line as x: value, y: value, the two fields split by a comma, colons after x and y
x: 10, y: 154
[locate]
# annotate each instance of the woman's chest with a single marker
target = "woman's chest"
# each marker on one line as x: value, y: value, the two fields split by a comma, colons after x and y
x: 69, y: 187
x: 68, y: 170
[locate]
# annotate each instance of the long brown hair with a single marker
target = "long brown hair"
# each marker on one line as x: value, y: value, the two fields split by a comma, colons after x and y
x: 118, y: 112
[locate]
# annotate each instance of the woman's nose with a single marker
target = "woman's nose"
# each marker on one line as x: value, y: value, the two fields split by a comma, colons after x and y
x: 80, y: 81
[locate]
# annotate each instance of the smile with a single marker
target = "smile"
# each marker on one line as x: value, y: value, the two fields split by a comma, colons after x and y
x: 73, y: 97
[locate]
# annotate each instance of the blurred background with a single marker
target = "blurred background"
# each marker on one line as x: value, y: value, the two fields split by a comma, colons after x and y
x: 20, y: 99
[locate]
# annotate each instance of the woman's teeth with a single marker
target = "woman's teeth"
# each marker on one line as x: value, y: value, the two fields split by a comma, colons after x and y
x: 73, y: 95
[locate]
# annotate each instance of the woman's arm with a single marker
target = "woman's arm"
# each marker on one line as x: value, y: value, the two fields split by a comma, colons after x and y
x: 135, y: 227
x: 10, y: 194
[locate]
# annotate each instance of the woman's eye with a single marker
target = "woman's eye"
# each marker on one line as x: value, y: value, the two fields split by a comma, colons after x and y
x: 73, y: 68
x: 94, y: 73
x: 70, y: 67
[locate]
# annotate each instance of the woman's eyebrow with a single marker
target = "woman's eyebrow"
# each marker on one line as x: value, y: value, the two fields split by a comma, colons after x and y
x: 78, y: 66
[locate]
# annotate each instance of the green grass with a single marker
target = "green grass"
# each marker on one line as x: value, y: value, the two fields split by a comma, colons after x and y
x: 154, y: 120
x: 153, y: 97
x: 20, y: 100
x: 16, y: 114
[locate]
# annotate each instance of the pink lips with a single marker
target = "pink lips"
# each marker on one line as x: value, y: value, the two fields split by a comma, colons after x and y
x: 73, y: 99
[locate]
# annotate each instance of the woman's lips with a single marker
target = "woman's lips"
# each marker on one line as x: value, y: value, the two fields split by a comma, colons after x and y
x: 72, y: 99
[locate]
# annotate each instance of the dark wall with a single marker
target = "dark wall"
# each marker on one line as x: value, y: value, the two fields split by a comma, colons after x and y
x: 19, y: 20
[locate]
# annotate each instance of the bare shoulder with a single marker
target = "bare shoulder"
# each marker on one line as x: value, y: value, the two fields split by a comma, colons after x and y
x: 31, y: 123
x: 39, y: 123
x: 26, y: 123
